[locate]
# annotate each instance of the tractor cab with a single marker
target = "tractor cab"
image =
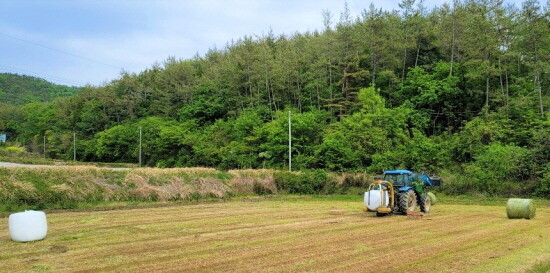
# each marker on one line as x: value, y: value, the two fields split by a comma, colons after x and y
x: 398, y: 178
x: 404, y: 180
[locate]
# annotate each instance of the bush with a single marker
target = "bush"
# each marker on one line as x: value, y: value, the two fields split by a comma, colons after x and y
x: 308, y: 182
x: 359, y: 180
x: 543, y: 189
x: 260, y: 189
x: 495, y: 171
x: 13, y: 151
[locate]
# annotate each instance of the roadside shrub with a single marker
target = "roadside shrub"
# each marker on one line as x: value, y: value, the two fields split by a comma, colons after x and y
x: 252, y: 182
x: 307, y: 182
x: 352, y: 183
x: 13, y: 151
x: 356, y: 180
x: 194, y: 196
x: 260, y: 189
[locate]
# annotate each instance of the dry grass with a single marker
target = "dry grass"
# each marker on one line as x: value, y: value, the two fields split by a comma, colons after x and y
x: 353, y: 179
x: 175, y: 184
x: 244, y: 181
x: 66, y: 186
x: 46, y: 185
x: 174, y: 171
x: 282, y: 236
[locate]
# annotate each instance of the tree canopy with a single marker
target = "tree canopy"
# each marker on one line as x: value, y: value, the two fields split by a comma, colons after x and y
x: 462, y: 88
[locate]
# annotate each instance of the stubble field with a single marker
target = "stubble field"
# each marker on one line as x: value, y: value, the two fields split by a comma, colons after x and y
x: 282, y: 235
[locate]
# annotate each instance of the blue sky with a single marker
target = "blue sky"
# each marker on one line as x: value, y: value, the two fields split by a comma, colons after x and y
x: 90, y: 42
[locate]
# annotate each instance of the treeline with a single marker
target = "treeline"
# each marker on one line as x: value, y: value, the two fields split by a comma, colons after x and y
x: 461, y: 90
x: 20, y: 89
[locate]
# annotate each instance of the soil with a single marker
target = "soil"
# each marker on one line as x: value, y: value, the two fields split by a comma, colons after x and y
x: 281, y: 235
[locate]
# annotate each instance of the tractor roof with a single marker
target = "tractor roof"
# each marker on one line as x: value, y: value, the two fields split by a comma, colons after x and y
x: 398, y: 172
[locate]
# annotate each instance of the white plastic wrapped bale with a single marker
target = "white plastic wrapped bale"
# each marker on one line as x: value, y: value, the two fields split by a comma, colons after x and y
x: 373, y: 199
x: 28, y: 226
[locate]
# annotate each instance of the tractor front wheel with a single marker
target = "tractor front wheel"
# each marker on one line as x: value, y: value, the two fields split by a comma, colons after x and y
x: 425, y: 203
x: 407, y: 201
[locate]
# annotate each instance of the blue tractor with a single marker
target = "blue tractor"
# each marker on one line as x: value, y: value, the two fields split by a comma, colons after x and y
x: 400, y: 191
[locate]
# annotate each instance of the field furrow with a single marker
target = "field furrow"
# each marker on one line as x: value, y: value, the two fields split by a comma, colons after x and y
x: 277, y: 236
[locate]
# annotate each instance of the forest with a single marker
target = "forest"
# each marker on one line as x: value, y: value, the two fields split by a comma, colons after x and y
x: 460, y: 90
x: 20, y: 89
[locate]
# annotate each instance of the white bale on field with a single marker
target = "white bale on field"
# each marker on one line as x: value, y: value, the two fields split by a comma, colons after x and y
x: 520, y: 208
x: 28, y: 226
x: 375, y: 199
x: 432, y: 197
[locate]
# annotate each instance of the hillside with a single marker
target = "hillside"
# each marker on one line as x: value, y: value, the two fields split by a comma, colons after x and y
x: 459, y: 90
x: 20, y: 89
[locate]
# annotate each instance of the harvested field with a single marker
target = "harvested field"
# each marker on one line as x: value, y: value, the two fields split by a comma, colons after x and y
x: 293, y: 235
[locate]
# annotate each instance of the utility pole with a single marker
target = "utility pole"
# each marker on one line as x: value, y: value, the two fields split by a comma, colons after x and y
x: 139, y: 146
x: 44, y: 145
x: 289, y: 143
x: 74, y: 146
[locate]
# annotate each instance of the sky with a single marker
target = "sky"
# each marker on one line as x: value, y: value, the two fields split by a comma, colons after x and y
x: 76, y: 42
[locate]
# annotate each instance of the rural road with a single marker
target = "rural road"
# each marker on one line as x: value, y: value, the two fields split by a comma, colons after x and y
x: 18, y: 165
x: 13, y: 165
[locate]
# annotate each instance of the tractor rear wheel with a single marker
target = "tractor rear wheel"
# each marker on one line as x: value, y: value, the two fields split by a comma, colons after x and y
x: 425, y: 203
x: 407, y: 201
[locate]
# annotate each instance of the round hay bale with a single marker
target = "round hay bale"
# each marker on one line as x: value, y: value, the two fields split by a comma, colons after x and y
x: 432, y: 197
x: 520, y: 208
x: 28, y: 226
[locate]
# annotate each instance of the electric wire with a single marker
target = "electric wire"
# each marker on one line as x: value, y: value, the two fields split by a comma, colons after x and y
x: 60, y: 51
x: 52, y: 78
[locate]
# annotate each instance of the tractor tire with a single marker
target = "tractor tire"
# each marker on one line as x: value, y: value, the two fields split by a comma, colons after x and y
x: 407, y: 201
x: 425, y: 203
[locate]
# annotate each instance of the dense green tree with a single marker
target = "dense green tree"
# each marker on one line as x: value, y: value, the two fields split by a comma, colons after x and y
x: 20, y: 89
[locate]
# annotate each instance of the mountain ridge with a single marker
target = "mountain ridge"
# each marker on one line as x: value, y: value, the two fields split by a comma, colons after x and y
x: 19, y: 89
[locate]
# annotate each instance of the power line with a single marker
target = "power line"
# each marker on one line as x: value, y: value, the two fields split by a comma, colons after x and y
x: 40, y: 75
x: 32, y: 72
x: 58, y: 50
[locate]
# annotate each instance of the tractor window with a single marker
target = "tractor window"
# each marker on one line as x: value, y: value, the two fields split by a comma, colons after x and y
x: 396, y: 179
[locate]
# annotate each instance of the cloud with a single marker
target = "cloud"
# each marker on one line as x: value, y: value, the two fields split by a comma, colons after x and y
x: 182, y: 29
x: 133, y: 35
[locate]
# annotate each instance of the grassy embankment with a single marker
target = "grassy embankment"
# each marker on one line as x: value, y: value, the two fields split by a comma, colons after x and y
x: 77, y: 187
x: 74, y: 186
x: 65, y: 187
